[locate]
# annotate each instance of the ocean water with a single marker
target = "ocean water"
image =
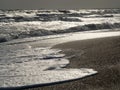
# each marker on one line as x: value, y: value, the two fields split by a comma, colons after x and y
x: 26, y: 38
x: 16, y: 24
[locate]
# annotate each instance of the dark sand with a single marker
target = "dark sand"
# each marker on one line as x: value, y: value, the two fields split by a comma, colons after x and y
x: 101, y: 54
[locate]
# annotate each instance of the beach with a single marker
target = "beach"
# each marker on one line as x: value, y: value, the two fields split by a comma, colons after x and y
x: 101, y: 54
x: 60, y: 49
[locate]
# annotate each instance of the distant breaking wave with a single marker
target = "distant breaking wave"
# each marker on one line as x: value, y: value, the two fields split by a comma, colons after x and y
x: 53, y: 15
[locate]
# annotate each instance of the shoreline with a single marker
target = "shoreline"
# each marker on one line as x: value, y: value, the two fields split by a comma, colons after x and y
x: 81, y: 48
x: 101, y: 54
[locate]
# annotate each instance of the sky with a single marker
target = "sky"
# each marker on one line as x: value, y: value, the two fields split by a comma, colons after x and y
x: 58, y: 4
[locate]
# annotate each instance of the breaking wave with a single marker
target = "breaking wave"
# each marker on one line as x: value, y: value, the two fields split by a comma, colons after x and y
x: 53, y: 15
x: 43, y: 32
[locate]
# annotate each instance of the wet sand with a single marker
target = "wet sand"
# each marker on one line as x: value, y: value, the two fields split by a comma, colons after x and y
x: 101, y: 54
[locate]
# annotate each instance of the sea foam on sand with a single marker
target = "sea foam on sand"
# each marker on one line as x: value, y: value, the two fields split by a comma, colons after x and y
x: 31, y: 61
x: 22, y: 65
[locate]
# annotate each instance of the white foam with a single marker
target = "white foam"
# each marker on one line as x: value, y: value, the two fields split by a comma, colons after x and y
x: 29, y: 66
x: 55, y: 25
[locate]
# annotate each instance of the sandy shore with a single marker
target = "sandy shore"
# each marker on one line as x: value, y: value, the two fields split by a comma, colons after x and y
x: 101, y: 54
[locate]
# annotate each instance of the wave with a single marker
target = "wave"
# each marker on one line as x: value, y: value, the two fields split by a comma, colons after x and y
x: 38, y: 18
x: 53, y: 15
x: 41, y: 32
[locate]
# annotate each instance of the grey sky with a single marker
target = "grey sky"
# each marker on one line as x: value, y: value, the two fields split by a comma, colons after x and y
x: 58, y: 4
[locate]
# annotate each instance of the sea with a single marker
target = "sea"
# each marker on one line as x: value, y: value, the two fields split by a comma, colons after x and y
x: 27, y: 36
